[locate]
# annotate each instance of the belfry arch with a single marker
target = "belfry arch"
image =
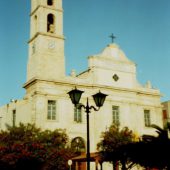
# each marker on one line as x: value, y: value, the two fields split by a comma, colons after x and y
x: 50, y: 2
x: 50, y: 23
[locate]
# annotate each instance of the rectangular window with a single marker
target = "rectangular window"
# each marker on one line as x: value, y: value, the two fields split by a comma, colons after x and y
x: 13, y: 118
x: 147, y: 118
x: 115, y: 114
x: 51, y: 110
x: 78, y: 114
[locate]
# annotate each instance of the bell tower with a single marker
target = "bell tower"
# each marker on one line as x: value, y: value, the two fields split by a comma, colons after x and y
x: 46, y: 45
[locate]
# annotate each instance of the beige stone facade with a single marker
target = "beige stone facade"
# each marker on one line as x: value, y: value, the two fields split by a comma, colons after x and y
x: 46, y: 44
x: 46, y: 102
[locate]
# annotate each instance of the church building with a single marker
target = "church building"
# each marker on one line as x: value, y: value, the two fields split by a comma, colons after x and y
x: 46, y: 102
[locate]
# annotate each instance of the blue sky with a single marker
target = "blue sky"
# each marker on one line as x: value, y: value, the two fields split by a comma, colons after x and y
x: 142, y: 28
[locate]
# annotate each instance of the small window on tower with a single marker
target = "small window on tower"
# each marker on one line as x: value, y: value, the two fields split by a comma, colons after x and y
x: 50, y: 23
x: 50, y: 2
x: 13, y: 117
x: 35, y: 23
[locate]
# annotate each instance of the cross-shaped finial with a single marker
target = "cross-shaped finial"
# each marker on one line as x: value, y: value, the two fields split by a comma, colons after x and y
x: 112, y: 37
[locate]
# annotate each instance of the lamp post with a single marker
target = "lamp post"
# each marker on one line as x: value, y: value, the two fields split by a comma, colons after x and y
x: 69, y: 163
x: 99, y: 99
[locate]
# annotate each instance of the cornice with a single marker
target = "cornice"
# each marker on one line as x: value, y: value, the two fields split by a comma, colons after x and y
x: 46, y: 34
x: 86, y: 85
x: 43, y: 6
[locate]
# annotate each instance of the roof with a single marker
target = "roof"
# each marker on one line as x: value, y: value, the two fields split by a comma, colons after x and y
x: 82, y: 158
x: 114, y: 52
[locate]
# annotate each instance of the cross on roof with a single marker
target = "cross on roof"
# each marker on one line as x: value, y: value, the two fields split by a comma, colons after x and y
x: 112, y: 37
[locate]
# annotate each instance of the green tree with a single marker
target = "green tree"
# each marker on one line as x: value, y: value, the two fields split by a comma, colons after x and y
x: 112, y: 146
x: 27, y: 147
x: 152, y: 151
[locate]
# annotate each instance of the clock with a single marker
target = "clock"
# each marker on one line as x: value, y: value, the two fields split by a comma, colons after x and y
x: 51, y: 45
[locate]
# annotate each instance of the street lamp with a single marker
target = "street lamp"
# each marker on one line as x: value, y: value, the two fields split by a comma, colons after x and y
x: 99, y: 99
x: 69, y: 163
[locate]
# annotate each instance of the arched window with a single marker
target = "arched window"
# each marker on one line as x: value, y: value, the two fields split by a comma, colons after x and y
x: 50, y: 2
x: 35, y: 23
x: 50, y: 23
x: 78, y: 144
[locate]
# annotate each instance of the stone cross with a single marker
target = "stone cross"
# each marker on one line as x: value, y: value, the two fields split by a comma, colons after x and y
x: 112, y: 37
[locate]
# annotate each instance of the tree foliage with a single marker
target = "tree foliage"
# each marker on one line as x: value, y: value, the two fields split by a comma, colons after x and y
x: 113, y: 138
x: 27, y: 147
x: 152, y: 151
x: 112, y: 145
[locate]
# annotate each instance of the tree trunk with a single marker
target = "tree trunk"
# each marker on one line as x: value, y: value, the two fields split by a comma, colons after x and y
x: 115, y: 164
x: 123, y: 165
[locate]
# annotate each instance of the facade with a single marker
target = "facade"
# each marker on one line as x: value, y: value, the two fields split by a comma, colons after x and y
x: 46, y: 102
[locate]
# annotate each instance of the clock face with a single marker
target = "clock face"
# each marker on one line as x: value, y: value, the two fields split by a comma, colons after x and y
x: 51, y: 45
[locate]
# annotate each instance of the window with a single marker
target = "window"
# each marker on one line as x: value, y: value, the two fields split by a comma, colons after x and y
x: 13, y: 118
x: 115, y: 113
x: 78, y: 114
x: 147, y: 118
x: 51, y: 110
x: 78, y: 144
x: 50, y: 23
x: 50, y: 2
x: 35, y: 23
x: 115, y: 77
